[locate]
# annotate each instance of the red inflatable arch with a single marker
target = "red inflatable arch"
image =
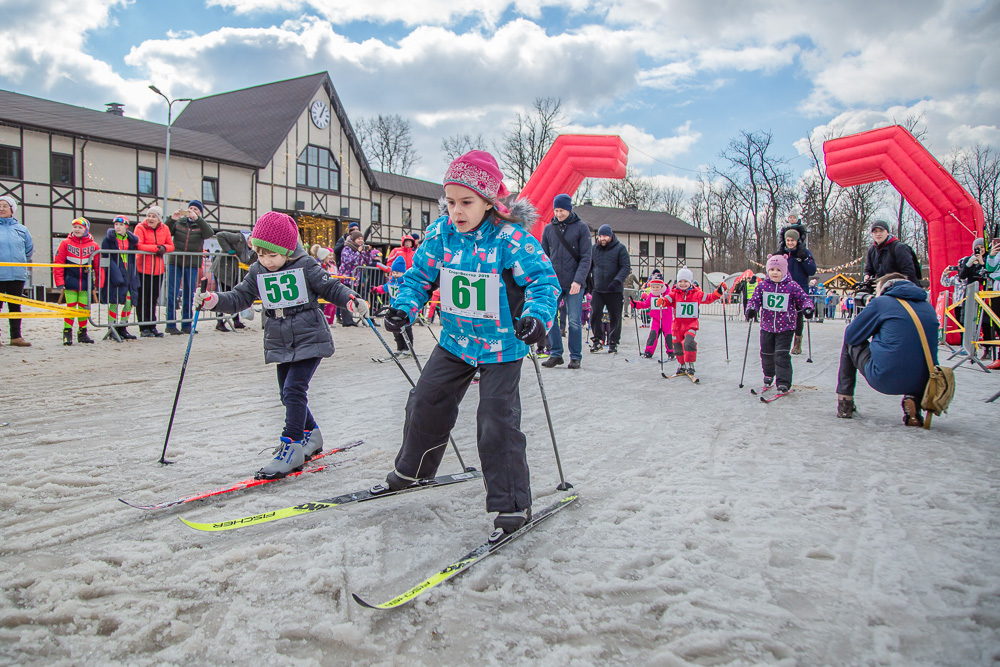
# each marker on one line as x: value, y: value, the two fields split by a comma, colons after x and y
x: 954, y: 218
x: 572, y: 158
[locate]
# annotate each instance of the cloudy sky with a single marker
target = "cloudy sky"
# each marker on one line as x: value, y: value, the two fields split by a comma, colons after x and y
x: 677, y: 79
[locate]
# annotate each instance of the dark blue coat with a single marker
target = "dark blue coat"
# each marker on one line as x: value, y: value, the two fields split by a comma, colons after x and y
x: 801, y: 264
x: 120, y: 279
x: 611, y: 266
x: 569, y: 269
x: 897, y: 365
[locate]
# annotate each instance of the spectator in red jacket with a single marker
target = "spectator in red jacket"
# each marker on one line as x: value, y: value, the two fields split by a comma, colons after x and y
x: 155, y: 238
x: 79, y: 249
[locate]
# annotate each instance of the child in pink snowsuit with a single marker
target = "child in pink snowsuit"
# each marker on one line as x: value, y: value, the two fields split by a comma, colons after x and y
x: 661, y: 317
x: 325, y: 258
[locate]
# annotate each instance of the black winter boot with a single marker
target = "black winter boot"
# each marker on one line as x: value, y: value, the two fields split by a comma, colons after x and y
x: 82, y: 337
x: 67, y: 336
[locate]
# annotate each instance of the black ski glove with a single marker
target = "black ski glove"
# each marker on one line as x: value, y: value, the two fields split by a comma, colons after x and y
x: 807, y: 313
x: 720, y: 289
x: 751, y: 315
x: 396, y: 320
x: 530, y: 329
x: 615, y: 285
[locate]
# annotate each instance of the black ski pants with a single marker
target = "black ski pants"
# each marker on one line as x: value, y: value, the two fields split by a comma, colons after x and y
x: 431, y: 412
x: 293, y: 382
x: 853, y: 360
x: 776, y: 356
x: 613, y: 301
x: 14, y: 288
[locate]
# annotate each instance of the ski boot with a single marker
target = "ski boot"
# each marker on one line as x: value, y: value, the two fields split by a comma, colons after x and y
x: 681, y: 370
x: 911, y: 411
x: 846, y: 407
x: 82, y: 337
x: 506, y: 523
x: 67, y: 336
x: 312, y: 443
x: 288, y: 458
x: 597, y: 346
x: 612, y: 349
x: 782, y: 389
x: 393, y: 482
x: 690, y: 368
x: 647, y: 355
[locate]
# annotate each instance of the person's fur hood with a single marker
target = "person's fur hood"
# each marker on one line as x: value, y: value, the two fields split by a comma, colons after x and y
x: 522, y: 210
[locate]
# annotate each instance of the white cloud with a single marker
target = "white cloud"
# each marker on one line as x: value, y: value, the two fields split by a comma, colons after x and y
x: 644, y: 147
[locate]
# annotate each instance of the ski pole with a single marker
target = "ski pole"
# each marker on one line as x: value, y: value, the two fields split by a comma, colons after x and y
x: 745, y: 353
x: 725, y: 327
x: 180, y: 381
x: 371, y: 325
x: 809, y: 338
x: 635, y: 318
x: 563, y: 484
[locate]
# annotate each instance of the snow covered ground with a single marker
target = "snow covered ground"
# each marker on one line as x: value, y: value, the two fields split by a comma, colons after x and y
x: 711, y: 529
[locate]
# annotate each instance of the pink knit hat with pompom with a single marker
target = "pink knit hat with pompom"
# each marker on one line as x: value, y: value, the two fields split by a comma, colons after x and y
x: 478, y: 171
x: 275, y: 232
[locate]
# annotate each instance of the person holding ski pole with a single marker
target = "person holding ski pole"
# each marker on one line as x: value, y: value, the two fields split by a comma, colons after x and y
x: 780, y: 301
x: 289, y: 283
x: 499, y: 296
x: 661, y: 317
x: 685, y: 298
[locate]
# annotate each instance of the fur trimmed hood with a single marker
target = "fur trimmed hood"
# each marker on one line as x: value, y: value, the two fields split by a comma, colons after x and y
x: 522, y: 211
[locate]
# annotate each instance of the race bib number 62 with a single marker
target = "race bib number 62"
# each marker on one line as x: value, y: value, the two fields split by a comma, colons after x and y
x: 776, y: 302
x: 470, y: 294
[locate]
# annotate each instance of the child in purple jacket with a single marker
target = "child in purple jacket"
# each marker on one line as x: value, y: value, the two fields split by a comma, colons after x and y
x: 778, y: 299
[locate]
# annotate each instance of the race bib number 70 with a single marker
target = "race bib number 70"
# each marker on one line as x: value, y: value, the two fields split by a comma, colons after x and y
x: 283, y: 289
x: 470, y: 294
x: 687, y: 309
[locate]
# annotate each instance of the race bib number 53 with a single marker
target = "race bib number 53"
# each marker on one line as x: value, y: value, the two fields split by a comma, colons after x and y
x: 776, y: 302
x: 470, y: 294
x: 283, y: 289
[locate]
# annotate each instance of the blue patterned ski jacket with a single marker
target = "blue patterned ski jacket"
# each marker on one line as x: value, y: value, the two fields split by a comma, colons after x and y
x: 526, y: 276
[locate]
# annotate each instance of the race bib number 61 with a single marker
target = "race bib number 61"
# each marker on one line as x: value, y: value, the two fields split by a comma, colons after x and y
x: 470, y: 294
x: 283, y: 289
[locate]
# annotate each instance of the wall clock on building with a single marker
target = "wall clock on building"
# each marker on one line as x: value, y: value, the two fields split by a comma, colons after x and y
x: 320, y: 113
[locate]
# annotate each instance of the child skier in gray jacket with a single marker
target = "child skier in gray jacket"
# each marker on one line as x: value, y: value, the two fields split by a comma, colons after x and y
x: 289, y: 284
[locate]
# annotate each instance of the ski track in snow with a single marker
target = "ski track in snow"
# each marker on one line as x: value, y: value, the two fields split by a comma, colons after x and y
x: 711, y: 529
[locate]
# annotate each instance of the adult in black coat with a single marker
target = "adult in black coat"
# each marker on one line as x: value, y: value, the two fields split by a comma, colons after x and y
x: 801, y: 265
x: 611, y: 266
x: 119, y: 287
x: 566, y: 241
x: 887, y: 255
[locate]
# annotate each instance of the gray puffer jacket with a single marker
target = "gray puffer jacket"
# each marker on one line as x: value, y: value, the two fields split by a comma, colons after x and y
x: 303, y: 332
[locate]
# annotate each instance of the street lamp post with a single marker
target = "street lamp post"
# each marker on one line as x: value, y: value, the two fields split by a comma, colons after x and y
x: 166, y: 168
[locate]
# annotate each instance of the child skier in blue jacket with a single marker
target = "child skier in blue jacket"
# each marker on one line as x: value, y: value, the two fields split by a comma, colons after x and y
x: 498, y: 297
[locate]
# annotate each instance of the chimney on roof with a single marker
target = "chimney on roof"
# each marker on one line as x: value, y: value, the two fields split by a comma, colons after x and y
x: 588, y: 202
x: 115, y: 108
x: 631, y: 206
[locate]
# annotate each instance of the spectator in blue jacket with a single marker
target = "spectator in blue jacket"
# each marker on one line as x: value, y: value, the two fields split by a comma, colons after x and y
x: 15, y: 247
x: 801, y: 265
x: 892, y: 362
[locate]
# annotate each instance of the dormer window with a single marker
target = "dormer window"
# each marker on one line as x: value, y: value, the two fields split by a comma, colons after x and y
x: 316, y: 168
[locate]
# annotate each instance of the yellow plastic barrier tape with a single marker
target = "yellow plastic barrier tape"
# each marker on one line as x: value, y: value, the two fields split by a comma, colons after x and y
x: 53, y: 311
x: 64, y: 266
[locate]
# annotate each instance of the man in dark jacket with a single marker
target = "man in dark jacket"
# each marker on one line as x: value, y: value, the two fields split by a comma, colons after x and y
x: 611, y: 267
x: 566, y: 240
x: 236, y: 250
x: 338, y: 247
x: 888, y: 255
x: 189, y: 231
x: 893, y: 362
x: 801, y: 265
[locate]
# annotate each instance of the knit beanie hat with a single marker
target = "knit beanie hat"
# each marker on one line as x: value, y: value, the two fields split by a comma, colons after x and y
x: 791, y: 234
x: 353, y: 225
x: 84, y: 222
x: 275, y: 232
x: 155, y: 210
x: 478, y: 171
x: 198, y: 204
x: 656, y: 274
x: 322, y: 254
x: 356, y: 235
x: 13, y: 203
x: 977, y: 243
x: 685, y: 274
x: 880, y: 224
x: 564, y: 202
x: 399, y: 264
x: 779, y: 262
x: 605, y: 230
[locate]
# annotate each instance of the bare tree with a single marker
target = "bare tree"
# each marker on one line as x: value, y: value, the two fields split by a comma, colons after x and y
x: 460, y: 144
x: 978, y: 170
x: 528, y: 138
x: 588, y: 191
x: 387, y: 141
x: 818, y: 198
x: 852, y: 220
x: 672, y: 200
x: 910, y: 123
x: 761, y: 182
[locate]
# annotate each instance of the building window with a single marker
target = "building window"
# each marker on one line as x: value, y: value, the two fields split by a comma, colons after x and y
x: 681, y: 250
x: 147, y: 181
x: 210, y: 190
x: 316, y: 168
x: 61, y: 169
x: 376, y: 212
x: 425, y: 219
x: 10, y: 162
x: 407, y: 218
x: 658, y: 247
x: 643, y: 248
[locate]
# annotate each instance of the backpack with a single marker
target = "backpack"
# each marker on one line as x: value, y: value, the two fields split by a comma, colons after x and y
x: 916, y: 262
x: 940, y: 387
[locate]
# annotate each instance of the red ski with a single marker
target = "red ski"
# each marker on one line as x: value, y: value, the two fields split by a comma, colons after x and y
x: 249, y: 483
